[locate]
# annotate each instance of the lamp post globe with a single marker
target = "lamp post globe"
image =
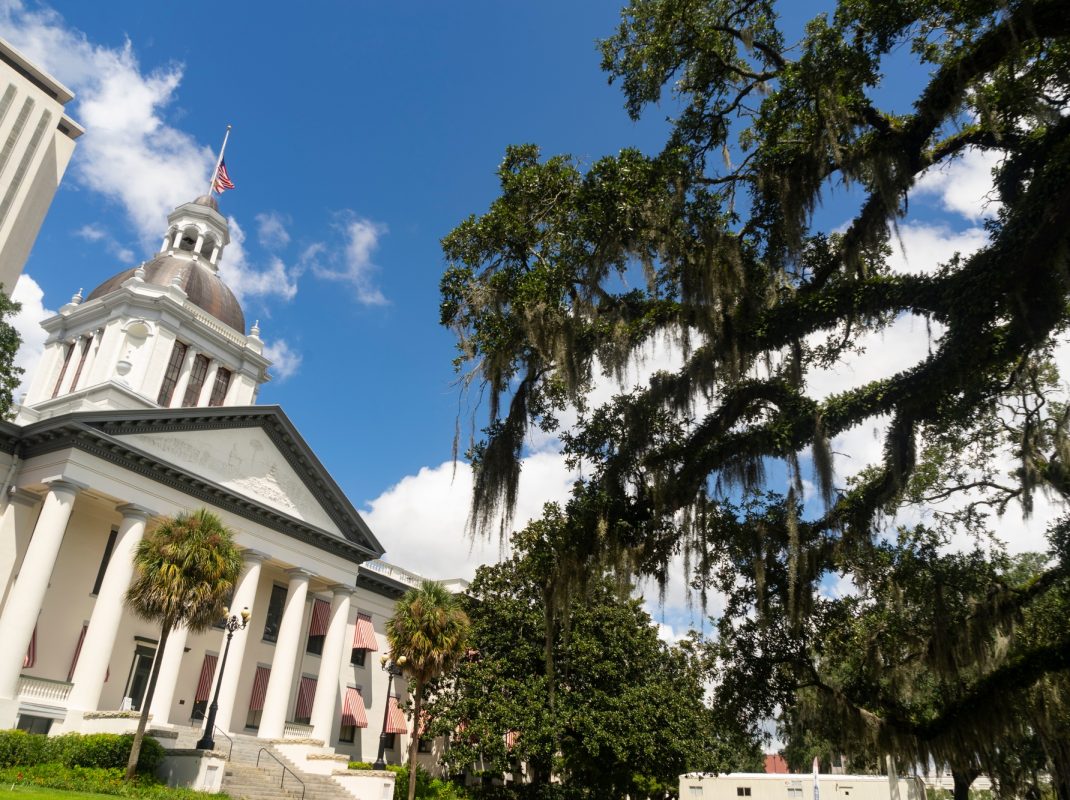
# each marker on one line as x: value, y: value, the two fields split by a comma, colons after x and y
x: 231, y: 623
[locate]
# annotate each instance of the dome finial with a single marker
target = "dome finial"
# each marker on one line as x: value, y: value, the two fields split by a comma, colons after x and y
x: 76, y: 298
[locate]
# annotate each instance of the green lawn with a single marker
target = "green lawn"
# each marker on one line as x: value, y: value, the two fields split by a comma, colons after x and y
x: 40, y: 793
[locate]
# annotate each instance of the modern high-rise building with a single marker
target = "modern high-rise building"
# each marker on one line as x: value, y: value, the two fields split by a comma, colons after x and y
x: 36, y: 142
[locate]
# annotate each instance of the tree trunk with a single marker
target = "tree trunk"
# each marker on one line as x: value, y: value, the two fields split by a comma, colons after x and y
x: 417, y: 707
x: 135, y: 748
x: 963, y: 780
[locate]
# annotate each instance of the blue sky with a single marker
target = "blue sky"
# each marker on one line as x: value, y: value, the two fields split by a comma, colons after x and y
x: 363, y: 133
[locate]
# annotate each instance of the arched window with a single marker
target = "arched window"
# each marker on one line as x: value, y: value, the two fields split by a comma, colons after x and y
x: 189, y: 239
x: 208, y: 248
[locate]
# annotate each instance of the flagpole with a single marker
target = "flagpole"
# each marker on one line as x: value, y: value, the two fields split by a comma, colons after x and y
x: 215, y: 172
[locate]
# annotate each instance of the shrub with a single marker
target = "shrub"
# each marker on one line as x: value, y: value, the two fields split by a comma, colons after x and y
x: 427, y: 788
x: 101, y: 750
x: 100, y: 781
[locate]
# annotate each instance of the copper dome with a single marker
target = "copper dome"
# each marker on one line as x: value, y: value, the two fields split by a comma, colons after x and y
x: 201, y: 283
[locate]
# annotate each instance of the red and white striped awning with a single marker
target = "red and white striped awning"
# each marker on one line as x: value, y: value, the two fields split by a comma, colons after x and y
x: 321, y: 617
x: 511, y: 738
x: 306, y: 693
x: 364, y: 635
x: 77, y: 651
x: 204, y: 682
x: 353, y: 712
x: 395, y: 717
x: 30, y: 658
x: 260, y: 682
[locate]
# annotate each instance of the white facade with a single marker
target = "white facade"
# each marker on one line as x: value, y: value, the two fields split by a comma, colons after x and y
x: 36, y: 143
x: 142, y: 407
x: 763, y: 786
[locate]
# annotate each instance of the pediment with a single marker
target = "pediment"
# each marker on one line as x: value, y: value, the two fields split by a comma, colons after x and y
x: 244, y: 460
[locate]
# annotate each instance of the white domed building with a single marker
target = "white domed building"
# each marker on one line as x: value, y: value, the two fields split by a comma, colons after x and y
x: 143, y: 406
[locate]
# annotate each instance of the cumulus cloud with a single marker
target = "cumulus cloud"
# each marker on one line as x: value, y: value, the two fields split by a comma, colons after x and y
x: 129, y: 153
x: 28, y: 324
x: 922, y: 247
x: 272, y: 230
x: 353, y: 263
x: 421, y: 519
x: 285, y: 361
x: 245, y: 281
x: 964, y: 185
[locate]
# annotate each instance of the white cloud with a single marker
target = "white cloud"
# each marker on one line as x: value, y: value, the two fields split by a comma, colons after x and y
x: 421, y: 519
x: 964, y: 186
x: 275, y: 280
x: 271, y: 229
x: 129, y: 153
x: 284, y: 360
x: 96, y: 234
x: 354, y: 264
x: 921, y: 247
x: 28, y: 324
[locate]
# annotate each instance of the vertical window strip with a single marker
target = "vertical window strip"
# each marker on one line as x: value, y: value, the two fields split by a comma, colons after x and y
x: 170, y: 376
x: 43, y: 125
x: 15, y: 133
x: 63, y: 369
x: 220, y: 387
x: 196, y: 381
x: 87, y: 342
x: 5, y: 101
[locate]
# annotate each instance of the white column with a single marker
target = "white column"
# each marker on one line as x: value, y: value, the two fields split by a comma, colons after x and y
x: 323, y: 707
x: 183, y: 378
x: 244, y: 597
x: 92, y: 668
x: 23, y: 604
x: 164, y: 696
x: 198, y: 244
x: 209, y: 382
x: 273, y: 718
x: 177, y: 240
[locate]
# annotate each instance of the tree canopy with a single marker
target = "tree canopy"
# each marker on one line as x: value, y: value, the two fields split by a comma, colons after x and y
x: 711, y: 243
x: 616, y: 712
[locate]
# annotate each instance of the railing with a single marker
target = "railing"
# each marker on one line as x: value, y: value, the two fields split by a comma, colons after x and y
x: 296, y: 730
x: 221, y: 732
x: 285, y: 769
x: 44, y: 689
x: 391, y: 571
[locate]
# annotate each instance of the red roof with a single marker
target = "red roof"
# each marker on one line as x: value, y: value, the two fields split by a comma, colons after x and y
x: 775, y: 764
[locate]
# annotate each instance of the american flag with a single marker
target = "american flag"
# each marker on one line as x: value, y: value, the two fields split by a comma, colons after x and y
x: 222, y: 180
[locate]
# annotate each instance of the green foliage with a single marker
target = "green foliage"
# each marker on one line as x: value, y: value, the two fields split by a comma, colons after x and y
x: 577, y: 269
x: 97, y: 780
x: 10, y: 375
x: 427, y: 788
x: 613, y: 711
x: 95, y: 750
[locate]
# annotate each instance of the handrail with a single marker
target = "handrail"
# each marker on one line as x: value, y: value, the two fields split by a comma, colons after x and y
x: 223, y: 733
x: 285, y: 769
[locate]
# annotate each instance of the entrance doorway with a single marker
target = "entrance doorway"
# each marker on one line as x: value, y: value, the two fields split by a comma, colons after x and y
x: 140, y: 670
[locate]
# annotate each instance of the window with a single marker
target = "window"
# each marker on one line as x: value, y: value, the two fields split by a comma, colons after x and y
x: 32, y: 724
x: 794, y: 791
x: 170, y: 377
x: 219, y: 388
x: 317, y: 626
x: 274, y: 613
x: 358, y: 657
x: 424, y: 745
x: 306, y: 696
x: 63, y: 369
x: 104, y: 561
x: 87, y: 342
x: 196, y: 381
x: 347, y: 733
x: 256, y: 700
x: 389, y: 740
x: 695, y: 791
x: 742, y: 791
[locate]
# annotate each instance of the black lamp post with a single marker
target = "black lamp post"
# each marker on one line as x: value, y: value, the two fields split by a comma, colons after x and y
x: 231, y: 623
x: 393, y: 669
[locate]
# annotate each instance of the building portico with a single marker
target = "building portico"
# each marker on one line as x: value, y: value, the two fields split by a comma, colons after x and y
x: 141, y: 409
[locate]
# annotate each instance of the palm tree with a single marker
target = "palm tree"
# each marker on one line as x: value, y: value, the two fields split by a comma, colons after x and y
x: 429, y: 630
x: 186, y: 569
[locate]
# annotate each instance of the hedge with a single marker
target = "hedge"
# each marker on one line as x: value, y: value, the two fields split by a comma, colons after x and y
x: 95, y: 750
x: 100, y: 781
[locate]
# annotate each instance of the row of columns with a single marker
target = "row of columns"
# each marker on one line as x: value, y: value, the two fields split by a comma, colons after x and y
x: 20, y: 613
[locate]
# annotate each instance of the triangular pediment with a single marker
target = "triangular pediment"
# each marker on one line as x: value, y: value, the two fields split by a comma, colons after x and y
x: 243, y: 460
